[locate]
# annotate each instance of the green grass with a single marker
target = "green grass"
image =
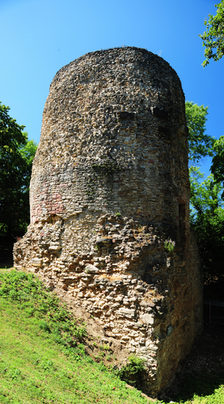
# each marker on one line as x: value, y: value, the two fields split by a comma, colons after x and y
x: 42, y: 359
x: 42, y: 354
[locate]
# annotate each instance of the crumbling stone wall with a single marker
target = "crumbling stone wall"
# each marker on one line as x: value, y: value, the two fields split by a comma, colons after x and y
x: 110, y: 207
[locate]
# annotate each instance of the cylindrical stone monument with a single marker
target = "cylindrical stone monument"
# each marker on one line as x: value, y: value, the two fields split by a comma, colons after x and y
x: 110, y: 207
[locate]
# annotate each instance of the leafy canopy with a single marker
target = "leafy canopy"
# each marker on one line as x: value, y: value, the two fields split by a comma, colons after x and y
x: 200, y: 144
x: 207, y: 220
x: 207, y: 207
x: 217, y: 167
x: 16, y: 156
x: 213, y: 37
x: 205, y: 194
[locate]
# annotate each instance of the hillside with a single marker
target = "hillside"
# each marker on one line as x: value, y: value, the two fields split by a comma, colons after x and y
x: 41, y: 357
x: 42, y: 352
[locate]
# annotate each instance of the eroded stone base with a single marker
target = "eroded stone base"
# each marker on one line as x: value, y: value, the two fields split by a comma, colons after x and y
x: 126, y: 281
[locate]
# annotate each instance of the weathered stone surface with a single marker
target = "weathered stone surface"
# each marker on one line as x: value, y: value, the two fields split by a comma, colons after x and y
x: 109, y: 207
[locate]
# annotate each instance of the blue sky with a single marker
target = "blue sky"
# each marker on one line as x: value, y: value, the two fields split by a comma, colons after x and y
x: 38, y: 37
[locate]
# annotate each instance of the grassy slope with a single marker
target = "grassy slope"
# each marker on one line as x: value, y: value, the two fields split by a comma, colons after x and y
x: 37, y: 362
x: 42, y: 359
x: 33, y: 369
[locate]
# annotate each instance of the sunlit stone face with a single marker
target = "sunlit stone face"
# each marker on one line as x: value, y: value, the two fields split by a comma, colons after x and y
x: 113, y: 139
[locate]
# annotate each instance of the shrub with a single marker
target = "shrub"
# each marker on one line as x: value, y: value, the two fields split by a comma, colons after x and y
x: 133, y: 371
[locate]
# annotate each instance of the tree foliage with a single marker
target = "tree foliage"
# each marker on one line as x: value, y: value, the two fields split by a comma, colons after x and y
x: 213, y: 37
x: 200, y: 144
x: 16, y: 155
x: 207, y: 220
x: 217, y: 167
x: 207, y: 207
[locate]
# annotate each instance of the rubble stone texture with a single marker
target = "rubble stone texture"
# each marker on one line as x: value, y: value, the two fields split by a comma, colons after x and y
x: 110, y: 207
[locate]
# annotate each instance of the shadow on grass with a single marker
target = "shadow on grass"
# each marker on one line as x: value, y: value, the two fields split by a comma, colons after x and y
x: 6, y: 262
x: 203, y: 370
x: 6, y: 255
x: 203, y: 385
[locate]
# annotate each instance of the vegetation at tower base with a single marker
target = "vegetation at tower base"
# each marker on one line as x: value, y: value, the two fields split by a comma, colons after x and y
x: 16, y: 155
x: 213, y: 37
x: 109, y: 225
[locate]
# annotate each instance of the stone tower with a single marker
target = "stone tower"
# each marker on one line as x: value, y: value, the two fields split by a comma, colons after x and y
x: 110, y: 207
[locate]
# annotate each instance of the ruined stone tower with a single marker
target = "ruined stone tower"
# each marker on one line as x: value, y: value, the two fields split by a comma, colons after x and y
x: 109, y: 207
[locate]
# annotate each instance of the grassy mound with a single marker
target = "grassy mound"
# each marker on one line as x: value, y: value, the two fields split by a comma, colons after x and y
x: 42, y: 359
x: 42, y: 352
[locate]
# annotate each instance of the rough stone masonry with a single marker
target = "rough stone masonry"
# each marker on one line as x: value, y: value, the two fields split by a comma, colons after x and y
x: 109, y: 203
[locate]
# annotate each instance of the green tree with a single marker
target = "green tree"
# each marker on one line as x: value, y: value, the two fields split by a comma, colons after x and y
x: 213, y: 37
x: 217, y: 167
x: 207, y: 220
x: 16, y: 155
x: 200, y: 144
x: 207, y: 207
